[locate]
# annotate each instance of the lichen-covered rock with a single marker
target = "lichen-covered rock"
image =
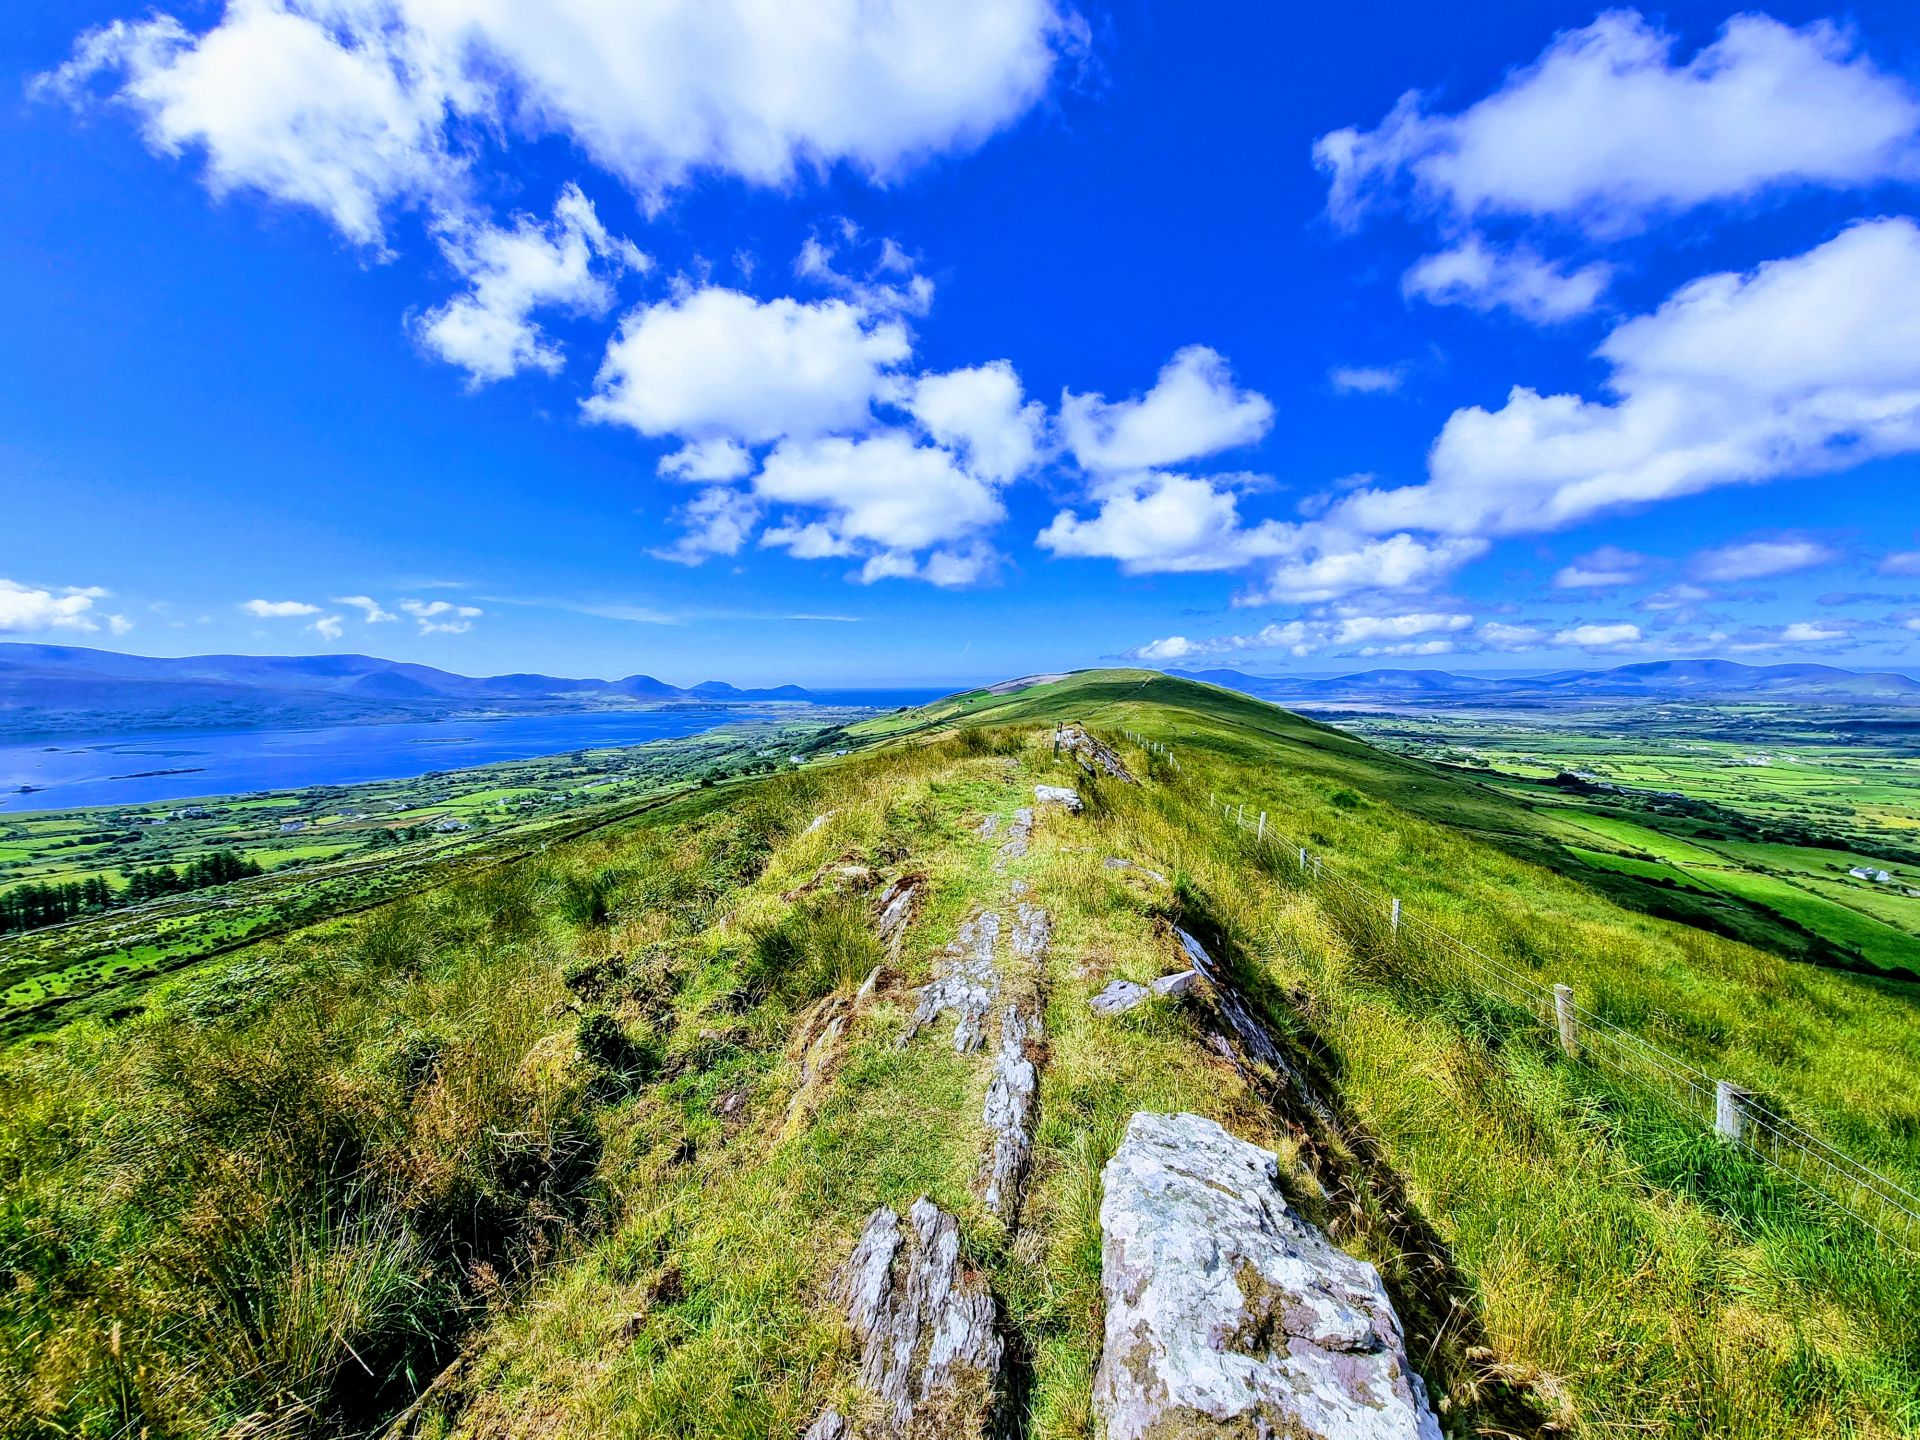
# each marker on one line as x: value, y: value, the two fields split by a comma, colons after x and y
x: 1092, y: 755
x: 1119, y: 997
x: 1058, y: 795
x: 1229, y: 1315
x: 1018, y: 834
x: 1176, y: 985
x: 924, y: 1324
x: 1010, y: 1093
x: 964, y: 982
x: 1246, y: 1030
x: 894, y: 910
x: 831, y: 1425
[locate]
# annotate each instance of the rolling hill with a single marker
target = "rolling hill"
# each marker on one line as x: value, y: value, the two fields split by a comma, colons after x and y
x: 929, y: 1090
x: 1656, y: 680
x: 60, y: 689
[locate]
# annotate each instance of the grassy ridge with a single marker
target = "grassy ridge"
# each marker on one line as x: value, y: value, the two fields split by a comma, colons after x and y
x: 551, y: 1128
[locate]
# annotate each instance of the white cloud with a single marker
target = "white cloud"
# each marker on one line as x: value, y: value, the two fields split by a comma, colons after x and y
x: 718, y: 521
x: 1164, y: 522
x: 370, y: 609
x: 1608, y: 566
x: 1599, y: 637
x: 279, y: 609
x: 1499, y: 635
x: 717, y: 364
x: 25, y: 609
x: 883, y: 490
x: 1800, y: 632
x: 1365, y: 379
x: 1194, y: 409
x: 951, y: 568
x: 980, y: 413
x: 1605, y: 131
x: 1674, y: 597
x: 1325, y: 631
x: 327, y: 627
x: 1904, y: 562
x: 890, y: 286
x: 513, y: 271
x: 442, y: 617
x: 1757, y: 559
x: 1806, y: 364
x: 708, y: 460
x: 1330, y: 565
x: 1486, y: 277
x: 351, y: 108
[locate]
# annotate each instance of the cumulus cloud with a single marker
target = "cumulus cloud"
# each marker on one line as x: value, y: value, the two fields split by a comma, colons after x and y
x: 1329, y: 630
x: 1193, y: 409
x: 1903, y: 562
x: 371, y: 610
x: 951, y: 567
x: 1799, y: 632
x: 351, y: 109
x: 1500, y: 635
x: 1157, y: 521
x: 717, y: 364
x: 1599, y: 637
x: 1758, y: 559
x: 1603, y: 568
x: 1484, y: 276
x: 1365, y: 379
x: 885, y: 490
x: 890, y: 285
x: 328, y: 627
x: 1328, y: 564
x: 279, y: 609
x: 441, y: 617
x: 981, y: 413
x: 717, y: 521
x: 27, y: 609
x: 703, y: 461
x: 1605, y: 130
x: 514, y: 270
x: 1806, y: 364
x: 1674, y: 597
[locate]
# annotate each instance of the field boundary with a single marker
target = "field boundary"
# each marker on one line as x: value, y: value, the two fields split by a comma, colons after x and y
x: 1730, y: 1110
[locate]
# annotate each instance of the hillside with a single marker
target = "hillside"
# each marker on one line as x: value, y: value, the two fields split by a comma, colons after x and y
x: 1672, y: 680
x: 64, y: 689
x: 584, y: 1145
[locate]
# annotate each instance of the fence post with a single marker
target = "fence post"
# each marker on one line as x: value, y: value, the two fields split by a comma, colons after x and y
x: 1393, y: 917
x: 1729, y: 1111
x: 1563, y: 1016
x: 1261, y: 833
x: 1303, y: 857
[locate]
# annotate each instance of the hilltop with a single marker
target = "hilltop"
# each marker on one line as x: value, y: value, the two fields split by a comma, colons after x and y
x: 59, y: 689
x: 604, y: 1140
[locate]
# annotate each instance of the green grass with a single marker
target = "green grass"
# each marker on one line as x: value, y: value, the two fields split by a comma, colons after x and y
x: 377, y: 1146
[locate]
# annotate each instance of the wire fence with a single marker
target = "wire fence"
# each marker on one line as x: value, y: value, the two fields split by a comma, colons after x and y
x: 1884, y: 1205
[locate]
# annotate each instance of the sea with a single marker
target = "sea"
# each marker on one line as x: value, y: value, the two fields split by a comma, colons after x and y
x: 67, y: 773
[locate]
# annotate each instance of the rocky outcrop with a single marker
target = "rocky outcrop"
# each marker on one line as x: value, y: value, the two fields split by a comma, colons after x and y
x: 964, y: 982
x: 1018, y: 834
x: 1229, y: 1315
x: 1016, y: 1077
x: 924, y: 1325
x: 1064, y: 795
x: 1242, y: 1027
x: 895, y: 908
x: 1092, y: 755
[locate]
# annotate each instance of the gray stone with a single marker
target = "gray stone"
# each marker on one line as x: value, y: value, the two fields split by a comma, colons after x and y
x: 923, y: 1323
x: 831, y: 1425
x: 1247, y: 1031
x: 894, y: 910
x: 1228, y: 1314
x: 1119, y: 997
x: 1010, y: 1093
x: 1092, y: 756
x: 964, y: 982
x: 1058, y: 795
x: 1018, y: 834
x: 1114, y: 862
x: 988, y: 826
x: 1176, y: 984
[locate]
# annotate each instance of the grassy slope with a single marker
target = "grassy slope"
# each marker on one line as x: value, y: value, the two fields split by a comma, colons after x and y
x: 636, y: 1247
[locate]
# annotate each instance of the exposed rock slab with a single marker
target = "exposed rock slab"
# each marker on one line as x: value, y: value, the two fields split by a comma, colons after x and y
x: 964, y: 982
x: 1016, y: 1079
x: 1019, y: 833
x: 1094, y: 757
x: 1245, y: 1028
x: 1119, y: 997
x: 924, y: 1325
x: 895, y: 908
x: 1058, y: 795
x: 1229, y: 1315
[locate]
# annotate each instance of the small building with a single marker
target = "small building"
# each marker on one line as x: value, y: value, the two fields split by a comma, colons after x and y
x: 292, y: 827
x: 1864, y: 872
x: 449, y: 825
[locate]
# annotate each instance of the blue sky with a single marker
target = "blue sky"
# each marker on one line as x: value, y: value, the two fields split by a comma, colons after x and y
x: 925, y: 343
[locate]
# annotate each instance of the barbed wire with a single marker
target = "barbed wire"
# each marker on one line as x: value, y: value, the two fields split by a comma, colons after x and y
x: 1883, y: 1204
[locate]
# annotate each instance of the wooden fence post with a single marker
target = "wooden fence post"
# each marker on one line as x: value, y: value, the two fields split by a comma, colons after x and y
x: 1303, y: 857
x: 1393, y: 917
x: 1261, y: 833
x: 1564, y: 1017
x: 1729, y: 1111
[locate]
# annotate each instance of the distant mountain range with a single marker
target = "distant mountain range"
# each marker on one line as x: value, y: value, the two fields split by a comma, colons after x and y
x: 1650, y: 680
x: 61, y: 689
